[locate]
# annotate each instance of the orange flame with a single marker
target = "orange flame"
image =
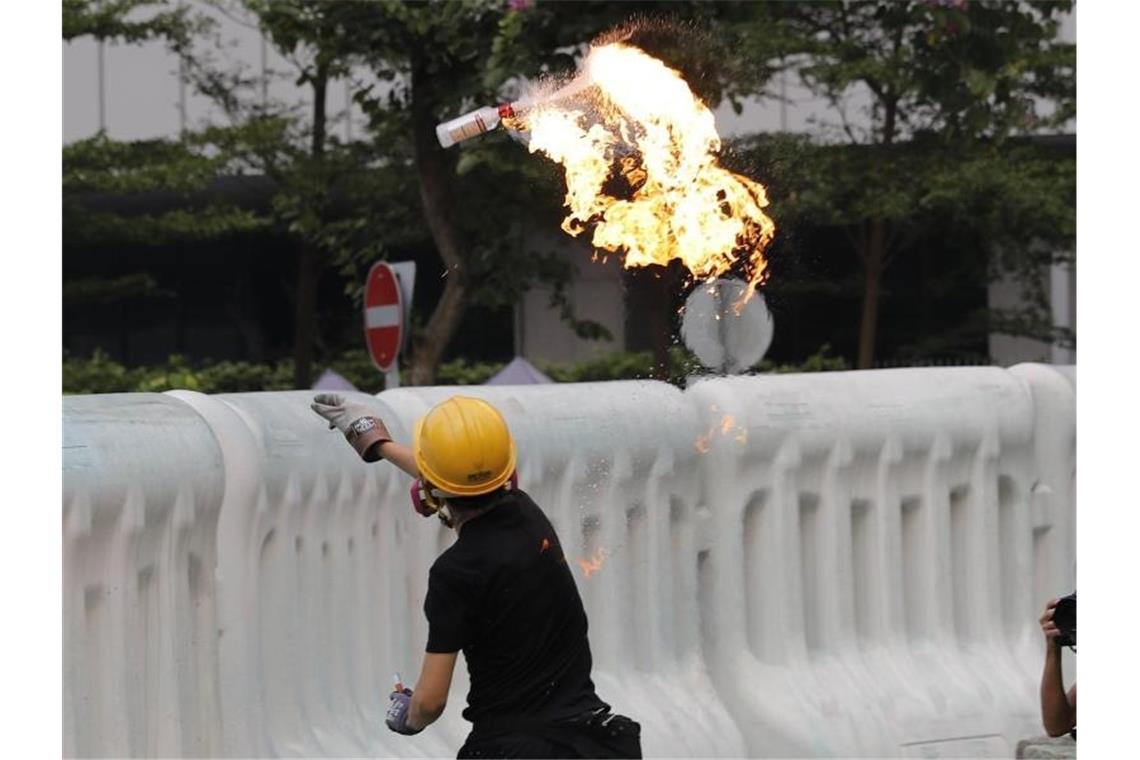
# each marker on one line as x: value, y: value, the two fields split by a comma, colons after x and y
x: 641, y: 125
x: 703, y: 441
x: 726, y: 426
x: 594, y: 563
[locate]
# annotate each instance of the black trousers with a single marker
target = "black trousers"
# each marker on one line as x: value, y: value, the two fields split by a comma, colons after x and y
x: 594, y: 734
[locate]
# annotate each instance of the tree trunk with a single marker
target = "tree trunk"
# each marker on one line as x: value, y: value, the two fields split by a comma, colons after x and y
x: 430, y: 345
x: 664, y: 285
x: 308, y: 274
x: 434, y: 169
x: 308, y: 257
x: 873, y: 258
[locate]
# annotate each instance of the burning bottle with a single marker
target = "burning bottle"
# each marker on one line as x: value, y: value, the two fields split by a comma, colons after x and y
x: 513, y: 117
x: 476, y: 123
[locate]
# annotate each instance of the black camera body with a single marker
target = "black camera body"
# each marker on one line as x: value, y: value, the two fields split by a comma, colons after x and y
x: 1065, y: 618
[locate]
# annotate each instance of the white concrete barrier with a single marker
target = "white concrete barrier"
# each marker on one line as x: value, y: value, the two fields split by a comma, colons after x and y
x: 143, y: 484
x: 835, y: 564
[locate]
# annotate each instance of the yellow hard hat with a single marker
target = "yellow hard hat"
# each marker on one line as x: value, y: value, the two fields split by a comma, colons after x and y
x: 463, y: 447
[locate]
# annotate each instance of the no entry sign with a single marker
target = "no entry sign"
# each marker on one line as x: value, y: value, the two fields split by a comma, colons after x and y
x: 383, y: 316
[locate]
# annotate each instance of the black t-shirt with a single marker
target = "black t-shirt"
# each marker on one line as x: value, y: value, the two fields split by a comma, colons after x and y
x: 503, y: 594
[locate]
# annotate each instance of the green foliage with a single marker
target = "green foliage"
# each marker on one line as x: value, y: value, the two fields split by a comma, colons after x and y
x: 100, y: 164
x: 91, y: 290
x: 434, y: 60
x: 100, y: 374
x: 689, y: 36
x: 149, y: 19
x: 357, y: 368
x: 962, y: 69
x: 954, y: 86
x: 1008, y: 210
x: 181, y: 170
x: 177, y: 226
x: 616, y: 366
x: 461, y: 372
x: 820, y: 361
x: 1003, y: 195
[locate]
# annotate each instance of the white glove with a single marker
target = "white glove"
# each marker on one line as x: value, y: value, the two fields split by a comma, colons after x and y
x: 360, y: 427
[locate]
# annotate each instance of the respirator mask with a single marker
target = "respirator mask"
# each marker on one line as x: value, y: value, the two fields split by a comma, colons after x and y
x: 429, y: 500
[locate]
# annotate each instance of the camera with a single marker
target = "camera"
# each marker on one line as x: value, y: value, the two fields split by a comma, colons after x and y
x: 1065, y: 618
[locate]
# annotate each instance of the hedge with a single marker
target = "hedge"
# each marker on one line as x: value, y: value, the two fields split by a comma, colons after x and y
x: 101, y: 374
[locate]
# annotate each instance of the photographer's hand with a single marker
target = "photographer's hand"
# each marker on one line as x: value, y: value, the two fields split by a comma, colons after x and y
x: 1048, y: 627
x: 1058, y: 709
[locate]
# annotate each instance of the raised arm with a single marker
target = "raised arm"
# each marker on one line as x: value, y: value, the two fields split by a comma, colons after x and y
x: 399, y: 455
x: 366, y: 432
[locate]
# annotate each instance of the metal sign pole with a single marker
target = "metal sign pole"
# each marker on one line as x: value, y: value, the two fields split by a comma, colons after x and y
x: 406, y: 278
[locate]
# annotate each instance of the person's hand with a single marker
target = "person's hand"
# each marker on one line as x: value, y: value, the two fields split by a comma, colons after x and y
x: 398, y: 709
x: 360, y: 427
x: 1048, y: 627
x: 339, y: 412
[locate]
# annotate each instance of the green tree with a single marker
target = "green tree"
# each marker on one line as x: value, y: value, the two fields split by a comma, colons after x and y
x: 438, y: 60
x: 465, y: 54
x: 131, y: 21
x: 977, y: 212
x: 98, y: 165
x: 950, y: 83
x: 344, y: 202
x: 317, y: 179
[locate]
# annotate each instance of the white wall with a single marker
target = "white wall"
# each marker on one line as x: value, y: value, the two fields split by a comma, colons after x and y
x: 141, y: 98
x: 596, y: 293
x: 835, y: 564
x: 1006, y: 293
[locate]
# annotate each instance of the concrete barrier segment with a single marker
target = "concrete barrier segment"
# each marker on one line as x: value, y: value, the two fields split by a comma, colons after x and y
x: 836, y: 564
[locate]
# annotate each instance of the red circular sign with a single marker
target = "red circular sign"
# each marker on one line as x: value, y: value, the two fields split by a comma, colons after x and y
x: 383, y: 316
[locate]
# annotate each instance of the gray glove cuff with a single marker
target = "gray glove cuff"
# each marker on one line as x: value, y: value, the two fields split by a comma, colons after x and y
x: 366, y: 434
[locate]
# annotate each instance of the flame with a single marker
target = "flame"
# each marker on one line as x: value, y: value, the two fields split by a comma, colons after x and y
x: 726, y: 426
x: 703, y: 441
x: 594, y: 563
x: 640, y: 125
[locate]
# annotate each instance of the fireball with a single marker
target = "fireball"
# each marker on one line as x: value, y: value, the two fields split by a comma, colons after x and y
x: 639, y: 151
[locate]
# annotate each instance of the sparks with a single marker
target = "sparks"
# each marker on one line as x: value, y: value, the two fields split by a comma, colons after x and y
x: 594, y: 563
x: 726, y: 427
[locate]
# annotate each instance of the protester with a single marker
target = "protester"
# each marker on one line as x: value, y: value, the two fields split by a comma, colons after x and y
x: 1058, y: 709
x: 502, y: 594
